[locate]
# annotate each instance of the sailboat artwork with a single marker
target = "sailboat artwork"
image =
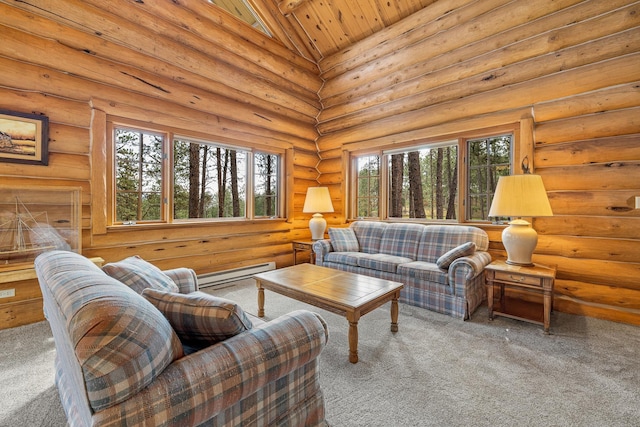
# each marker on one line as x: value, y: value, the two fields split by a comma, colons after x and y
x: 23, y: 234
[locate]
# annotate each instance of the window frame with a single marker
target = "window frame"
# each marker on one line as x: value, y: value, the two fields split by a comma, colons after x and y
x: 355, y: 167
x: 462, y: 139
x: 169, y: 135
x: 200, y: 141
x: 280, y: 185
x: 111, y: 174
x: 467, y: 197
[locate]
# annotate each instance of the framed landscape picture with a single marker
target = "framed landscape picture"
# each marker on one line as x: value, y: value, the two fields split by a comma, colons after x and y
x: 24, y: 138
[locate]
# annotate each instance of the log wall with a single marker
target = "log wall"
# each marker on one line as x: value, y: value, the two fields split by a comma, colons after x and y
x: 184, y: 65
x: 572, y: 67
x: 567, y: 69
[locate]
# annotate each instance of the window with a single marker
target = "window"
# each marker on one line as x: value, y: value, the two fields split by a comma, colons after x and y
x: 138, y: 166
x: 424, y: 181
x: 266, y: 189
x: 208, y: 180
x: 243, y: 10
x: 489, y: 159
x: 368, y: 189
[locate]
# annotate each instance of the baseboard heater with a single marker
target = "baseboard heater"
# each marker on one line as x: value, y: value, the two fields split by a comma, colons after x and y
x: 225, y: 276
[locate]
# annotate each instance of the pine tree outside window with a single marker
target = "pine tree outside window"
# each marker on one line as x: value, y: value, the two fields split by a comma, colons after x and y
x: 266, y: 185
x: 209, y: 180
x: 139, y: 169
x: 190, y: 180
x: 368, y: 186
x: 422, y: 182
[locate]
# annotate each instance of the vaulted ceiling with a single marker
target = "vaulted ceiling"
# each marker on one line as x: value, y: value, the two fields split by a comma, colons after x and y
x: 317, y: 29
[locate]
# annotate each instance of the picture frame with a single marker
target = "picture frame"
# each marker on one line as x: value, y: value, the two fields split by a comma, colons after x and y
x: 24, y: 138
x: 36, y: 219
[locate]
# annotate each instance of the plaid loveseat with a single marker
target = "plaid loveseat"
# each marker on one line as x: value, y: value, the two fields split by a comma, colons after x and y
x: 441, y: 266
x: 120, y: 362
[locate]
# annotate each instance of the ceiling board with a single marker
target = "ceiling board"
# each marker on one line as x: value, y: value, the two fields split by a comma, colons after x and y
x: 324, y: 27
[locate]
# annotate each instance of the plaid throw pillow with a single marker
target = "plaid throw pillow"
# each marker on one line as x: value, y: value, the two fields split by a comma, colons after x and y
x: 199, y: 319
x: 139, y: 274
x: 344, y: 240
x: 459, y: 251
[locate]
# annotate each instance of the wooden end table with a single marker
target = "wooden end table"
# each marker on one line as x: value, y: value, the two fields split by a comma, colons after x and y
x: 347, y: 294
x: 536, y: 279
x: 304, y: 246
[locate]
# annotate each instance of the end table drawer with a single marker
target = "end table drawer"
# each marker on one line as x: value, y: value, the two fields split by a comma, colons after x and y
x: 302, y: 246
x: 518, y: 278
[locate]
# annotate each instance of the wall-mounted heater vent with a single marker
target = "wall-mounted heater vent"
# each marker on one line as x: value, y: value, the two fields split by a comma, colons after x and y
x: 220, y: 277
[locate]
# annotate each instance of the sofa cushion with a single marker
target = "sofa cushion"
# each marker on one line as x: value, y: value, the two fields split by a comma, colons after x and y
x: 401, y: 240
x: 369, y: 235
x: 424, y: 271
x: 382, y: 262
x: 199, y: 319
x: 347, y: 258
x: 122, y: 343
x: 139, y: 274
x: 447, y: 258
x: 344, y: 240
x: 439, y: 239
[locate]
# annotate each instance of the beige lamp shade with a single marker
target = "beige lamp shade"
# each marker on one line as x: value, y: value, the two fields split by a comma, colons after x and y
x: 318, y: 200
x: 520, y: 196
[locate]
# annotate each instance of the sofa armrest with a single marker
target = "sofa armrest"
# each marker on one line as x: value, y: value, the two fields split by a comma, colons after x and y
x: 464, y: 269
x: 322, y: 248
x: 197, y: 387
x: 185, y: 278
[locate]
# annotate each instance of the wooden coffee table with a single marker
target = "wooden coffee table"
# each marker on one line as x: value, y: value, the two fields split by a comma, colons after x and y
x: 347, y: 294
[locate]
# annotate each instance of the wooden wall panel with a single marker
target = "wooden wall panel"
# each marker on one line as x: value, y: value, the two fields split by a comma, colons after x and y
x: 81, y: 63
x: 593, y: 226
x: 581, y: 152
x: 571, y: 68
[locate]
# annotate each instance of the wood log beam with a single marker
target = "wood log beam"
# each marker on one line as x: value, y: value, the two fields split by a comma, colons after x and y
x: 219, y: 18
x: 431, y: 61
x: 287, y: 7
x: 118, y: 81
x: 619, y: 70
x: 202, y: 33
x: 205, y: 125
x: 589, y: 226
x: 136, y: 38
x: 439, y: 88
x: 284, y: 29
x: 586, y: 151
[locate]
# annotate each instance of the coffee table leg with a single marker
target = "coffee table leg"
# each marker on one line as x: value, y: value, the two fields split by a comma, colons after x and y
x: 394, y: 314
x: 353, y: 336
x: 260, y: 299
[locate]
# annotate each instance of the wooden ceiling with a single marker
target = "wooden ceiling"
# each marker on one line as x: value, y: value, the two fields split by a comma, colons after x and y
x: 317, y: 29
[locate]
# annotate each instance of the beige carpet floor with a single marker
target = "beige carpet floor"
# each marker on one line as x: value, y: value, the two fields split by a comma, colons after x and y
x: 436, y: 371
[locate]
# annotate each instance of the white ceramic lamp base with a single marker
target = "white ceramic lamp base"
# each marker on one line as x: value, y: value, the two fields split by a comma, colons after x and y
x: 317, y: 225
x: 520, y: 240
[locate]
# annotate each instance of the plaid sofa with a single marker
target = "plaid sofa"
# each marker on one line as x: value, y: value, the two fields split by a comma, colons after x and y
x: 119, y: 361
x: 441, y: 266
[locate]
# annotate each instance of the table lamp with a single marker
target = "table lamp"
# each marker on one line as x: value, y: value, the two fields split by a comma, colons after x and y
x: 317, y: 200
x: 520, y: 196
